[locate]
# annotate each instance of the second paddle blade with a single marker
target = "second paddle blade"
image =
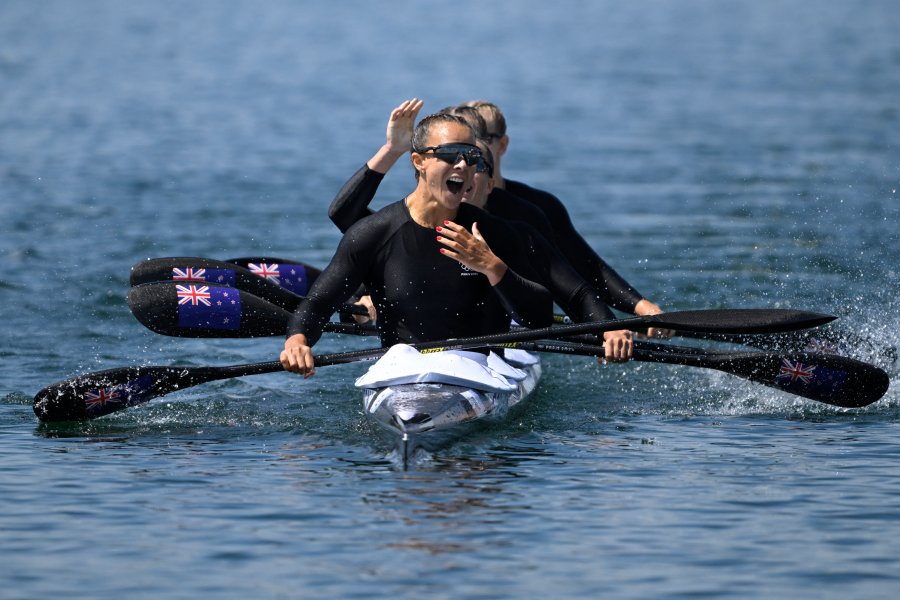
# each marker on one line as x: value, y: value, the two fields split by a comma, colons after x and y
x: 204, y: 311
x: 743, y: 320
x: 827, y: 378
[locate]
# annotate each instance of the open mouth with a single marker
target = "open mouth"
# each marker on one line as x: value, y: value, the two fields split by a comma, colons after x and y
x: 455, y: 184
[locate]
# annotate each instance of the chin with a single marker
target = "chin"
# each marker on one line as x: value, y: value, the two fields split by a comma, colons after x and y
x: 452, y: 203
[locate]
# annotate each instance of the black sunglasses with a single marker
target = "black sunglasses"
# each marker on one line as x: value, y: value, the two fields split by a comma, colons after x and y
x: 483, y: 166
x: 453, y: 153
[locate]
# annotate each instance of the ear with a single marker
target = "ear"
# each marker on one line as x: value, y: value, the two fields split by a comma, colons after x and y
x: 504, y: 143
x: 418, y: 161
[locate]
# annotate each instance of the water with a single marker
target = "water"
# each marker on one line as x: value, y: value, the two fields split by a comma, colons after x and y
x: 718, y: 154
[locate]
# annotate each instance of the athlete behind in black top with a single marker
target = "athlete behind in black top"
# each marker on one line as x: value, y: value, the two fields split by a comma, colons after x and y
x: 420, y: 294
x: 613, y: 288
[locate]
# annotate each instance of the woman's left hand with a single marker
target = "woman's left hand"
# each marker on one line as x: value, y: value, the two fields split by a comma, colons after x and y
x: 471, y: 250
x: 619, y: 346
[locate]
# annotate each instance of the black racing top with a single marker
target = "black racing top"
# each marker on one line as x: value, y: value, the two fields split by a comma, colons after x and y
x: 420, y: 294
x: 612, y: 287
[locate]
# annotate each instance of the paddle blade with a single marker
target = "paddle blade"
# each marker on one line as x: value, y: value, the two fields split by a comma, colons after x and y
x: 828, y: 378
x: 282, y: 285
x: 742, y: 320
x: 103, y: 392
x: 97, y: 394
x: 202, y: 311
x: 282, y: 265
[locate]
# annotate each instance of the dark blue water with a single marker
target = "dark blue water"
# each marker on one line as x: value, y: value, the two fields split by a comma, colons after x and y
x: 739, y: 154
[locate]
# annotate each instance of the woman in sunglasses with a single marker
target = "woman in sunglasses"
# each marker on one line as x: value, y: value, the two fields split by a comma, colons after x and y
x: 424, y: 261
x: 569, y: 289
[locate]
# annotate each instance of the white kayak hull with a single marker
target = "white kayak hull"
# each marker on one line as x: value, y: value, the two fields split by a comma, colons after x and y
x: 432, y: 414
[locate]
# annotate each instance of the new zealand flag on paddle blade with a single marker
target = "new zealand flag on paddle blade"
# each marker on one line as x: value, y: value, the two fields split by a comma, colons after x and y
x: 97, y: 401
x: 216, y: 276
x: 208, y: 307
x: 291, y: 277
x: 795, y: 375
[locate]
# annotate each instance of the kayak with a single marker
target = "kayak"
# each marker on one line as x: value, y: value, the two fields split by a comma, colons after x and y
x: 427, y: 400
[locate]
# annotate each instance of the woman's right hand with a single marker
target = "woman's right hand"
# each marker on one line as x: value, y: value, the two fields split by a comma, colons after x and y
x: 297, y: 356
x: 366, y: 301
x: 401, y: 124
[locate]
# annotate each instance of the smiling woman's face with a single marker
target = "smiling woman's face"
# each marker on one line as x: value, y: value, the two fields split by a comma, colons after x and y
x: 443, y: 182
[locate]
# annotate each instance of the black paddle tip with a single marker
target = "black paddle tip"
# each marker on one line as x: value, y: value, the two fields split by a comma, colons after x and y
x: 54, y: 404
x: 743, y: 320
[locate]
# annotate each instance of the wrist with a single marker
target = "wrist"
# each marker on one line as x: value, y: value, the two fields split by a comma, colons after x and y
x: 298, y: 339
x: 385, y: 158
x: 495, y: 272
x: 645, y: 307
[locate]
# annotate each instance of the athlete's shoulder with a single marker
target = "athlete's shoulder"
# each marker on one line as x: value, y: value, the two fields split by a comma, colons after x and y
x: 547, y: 202
x: 379, y: 225
x: 506, y: 204
x: 523, y: 190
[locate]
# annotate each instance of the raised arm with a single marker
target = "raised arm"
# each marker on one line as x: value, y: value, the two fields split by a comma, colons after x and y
x: 352, y: 201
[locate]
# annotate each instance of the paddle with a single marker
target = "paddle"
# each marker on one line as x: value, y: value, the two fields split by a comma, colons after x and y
x: 282, y: 284
x: 834, y: 380
x: 248, y: 261
x: 209, y: 311
x: 93, y: 395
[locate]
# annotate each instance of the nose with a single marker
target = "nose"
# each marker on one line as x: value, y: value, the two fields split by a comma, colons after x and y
x: 461, y: 161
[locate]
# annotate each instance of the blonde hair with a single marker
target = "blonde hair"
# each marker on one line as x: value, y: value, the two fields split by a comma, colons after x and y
x: 492, y: 115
